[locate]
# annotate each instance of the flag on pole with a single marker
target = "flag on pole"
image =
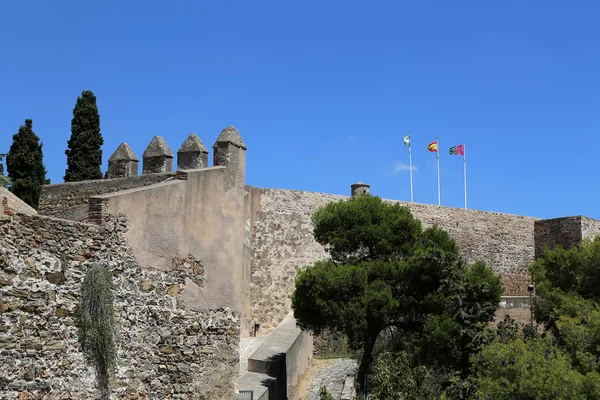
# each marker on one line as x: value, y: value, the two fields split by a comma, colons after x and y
x: 433, y: 147
x: 458, y: 150
x: 406, y: 140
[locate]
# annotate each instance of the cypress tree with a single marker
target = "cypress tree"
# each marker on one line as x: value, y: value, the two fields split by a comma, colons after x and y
x: 84, y: 152
x: 24, y: 163
x: 3, y: 178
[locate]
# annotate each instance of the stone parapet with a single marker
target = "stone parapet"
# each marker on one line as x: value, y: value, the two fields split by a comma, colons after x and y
x: 70, y: 200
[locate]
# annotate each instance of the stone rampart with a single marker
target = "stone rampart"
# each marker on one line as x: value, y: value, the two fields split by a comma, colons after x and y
x: 564, y: 232
x: 70, y: 200
x: 194, y: 215
x: 283, y: 242
x: 164, y: 349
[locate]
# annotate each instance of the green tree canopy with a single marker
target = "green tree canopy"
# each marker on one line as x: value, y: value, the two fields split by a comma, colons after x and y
x: 568, y: 304
x: 385, y: 271
x: 84, y: 152
x: 535, y: 369
x: 24, y: 163
x: 395, y: 377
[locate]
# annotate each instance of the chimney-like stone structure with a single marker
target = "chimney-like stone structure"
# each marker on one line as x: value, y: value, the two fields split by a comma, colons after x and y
x: 230, y: 151
x: 158, y: 157
x: 192, y: 154
x: 360, y: 188
x: 123, y: 162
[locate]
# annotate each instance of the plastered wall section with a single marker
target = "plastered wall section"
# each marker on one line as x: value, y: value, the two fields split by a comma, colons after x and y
x: 283, y: 242
x: 198, y: 216
x: 70, y: 200
x: 163, y: 349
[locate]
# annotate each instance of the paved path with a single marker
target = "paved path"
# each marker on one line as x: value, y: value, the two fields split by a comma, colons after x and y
x: 333, y: 378
x: 247, y: 347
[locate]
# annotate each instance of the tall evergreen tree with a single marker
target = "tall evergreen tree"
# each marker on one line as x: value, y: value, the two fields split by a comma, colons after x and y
x: 84, y: 152
x: 3, y: 178
x: 24, y: 163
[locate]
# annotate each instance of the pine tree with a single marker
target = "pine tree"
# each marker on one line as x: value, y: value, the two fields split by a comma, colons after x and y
x: 24, y: 163
x: 84, y: 152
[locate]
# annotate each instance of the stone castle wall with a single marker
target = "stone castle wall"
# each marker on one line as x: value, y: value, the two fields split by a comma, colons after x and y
x: 590, y: 228
x: 283, y: 242
x: 565, y: 232
x: 164, y: 350
x: 70, y: 200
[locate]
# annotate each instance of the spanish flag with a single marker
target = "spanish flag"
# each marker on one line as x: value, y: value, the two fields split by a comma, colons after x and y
x: 433, y: 147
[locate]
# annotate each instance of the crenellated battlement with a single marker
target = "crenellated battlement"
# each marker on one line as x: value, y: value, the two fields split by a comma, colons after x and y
x: 70, y: 200
x: 192, y: 154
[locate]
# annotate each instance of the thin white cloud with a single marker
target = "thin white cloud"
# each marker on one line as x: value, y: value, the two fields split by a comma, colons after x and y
x: 401, y: 167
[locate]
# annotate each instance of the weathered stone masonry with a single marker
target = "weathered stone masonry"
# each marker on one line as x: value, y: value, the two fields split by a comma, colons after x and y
x: 283, y: 242
x: 70, y: 200
x: 164, y: 350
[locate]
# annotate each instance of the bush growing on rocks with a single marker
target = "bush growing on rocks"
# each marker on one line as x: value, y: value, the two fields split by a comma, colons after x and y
x: 96, y: 324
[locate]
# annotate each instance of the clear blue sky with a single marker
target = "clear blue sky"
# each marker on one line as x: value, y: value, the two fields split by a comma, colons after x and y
x: 322, y: 92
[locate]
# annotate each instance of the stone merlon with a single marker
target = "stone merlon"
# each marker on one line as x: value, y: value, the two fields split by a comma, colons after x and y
x: 193, y: 144
x: 158, y: 148
x: 192, y: 154
x: 123, y: 153
x: 122, y: 163
x: 158, y: 157
x: 230, y: 135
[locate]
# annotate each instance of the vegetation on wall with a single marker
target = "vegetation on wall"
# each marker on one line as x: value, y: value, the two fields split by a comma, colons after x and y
x: 96, y: 324
x: 84, y: 152
x: 24, y: 164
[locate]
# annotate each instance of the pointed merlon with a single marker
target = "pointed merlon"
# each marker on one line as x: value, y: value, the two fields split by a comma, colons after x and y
x: 158, y: 157
x: 157, y: 148
x: 230, y: 135
x: 123, y: 162
x: 123, y: 153
x: 192, y: 144
x: 192, y: 154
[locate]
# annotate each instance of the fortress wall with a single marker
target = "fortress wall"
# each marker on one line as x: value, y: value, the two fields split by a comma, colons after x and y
x: 198, y: 217
x: 162, y: 347
x: 590, y: 227
x: 70, y: 200
x: 282, y: 242
x: 565, y: 232
x: 549, y: 233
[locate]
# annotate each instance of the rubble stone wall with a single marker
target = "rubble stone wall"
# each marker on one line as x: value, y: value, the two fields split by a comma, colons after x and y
x: 70, y: 200
x: 283, y: 242
x: 163, y: 349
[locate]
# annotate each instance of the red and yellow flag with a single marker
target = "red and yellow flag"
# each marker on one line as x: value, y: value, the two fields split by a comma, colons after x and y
x: 433, y: 147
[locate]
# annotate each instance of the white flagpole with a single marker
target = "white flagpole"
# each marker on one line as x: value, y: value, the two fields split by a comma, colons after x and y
x: 465, y: 170
x: 410, y: 165
x: 438, y: 165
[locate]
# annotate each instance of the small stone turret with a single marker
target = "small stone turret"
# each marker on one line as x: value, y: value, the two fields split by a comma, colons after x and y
x: 123, y: 162
x: 360, y: 188
x: 192, y: 154
x: 230, y: 151
x: 158, y: 157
